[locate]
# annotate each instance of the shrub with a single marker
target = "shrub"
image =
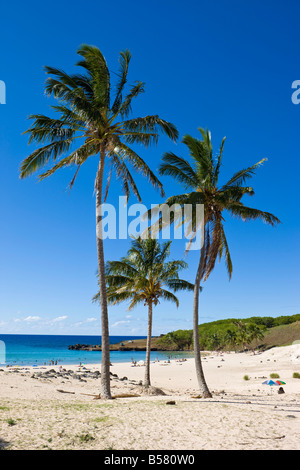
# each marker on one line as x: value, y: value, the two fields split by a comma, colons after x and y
x: 86, y: 437
x: 296, y: 375
x: 274, y: 376
x: 246, y: 377
x: 11, y: 422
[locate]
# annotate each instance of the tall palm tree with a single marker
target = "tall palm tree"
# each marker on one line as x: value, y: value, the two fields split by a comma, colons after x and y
x: 99, y: 124
x: 243, y: 333
x: 145, y: 276
x: 230, y: 338
x: 200, y: 178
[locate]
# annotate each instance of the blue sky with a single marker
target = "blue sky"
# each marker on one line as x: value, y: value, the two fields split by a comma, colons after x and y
x: 226, y: 66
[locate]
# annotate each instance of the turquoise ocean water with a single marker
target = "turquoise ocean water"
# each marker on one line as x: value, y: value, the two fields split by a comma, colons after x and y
x: 24, y: 350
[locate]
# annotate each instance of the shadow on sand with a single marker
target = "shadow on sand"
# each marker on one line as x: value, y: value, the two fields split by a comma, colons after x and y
x: 3, y: 444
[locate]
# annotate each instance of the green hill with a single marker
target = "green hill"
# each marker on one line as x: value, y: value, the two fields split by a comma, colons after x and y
x: 232, y: 333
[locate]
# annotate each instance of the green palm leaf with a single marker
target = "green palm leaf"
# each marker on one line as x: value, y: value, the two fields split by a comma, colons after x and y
x: 241, y: 176
x: 124, y: 60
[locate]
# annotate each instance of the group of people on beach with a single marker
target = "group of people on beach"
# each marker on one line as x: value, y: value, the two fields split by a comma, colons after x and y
x: 142, y: 363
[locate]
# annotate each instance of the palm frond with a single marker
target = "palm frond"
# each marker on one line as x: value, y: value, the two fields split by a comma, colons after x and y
x: 95, y: 63
x: 62, y: 84
x: 123, y: 267
x: 224, y: 245
x: 151, y: 124
x: 67, y: 90
x: 124, y: 175
x: 218, y: 164
x: 125, y: 108
x: 45, y: 129
x: 141, y: 166
x: 124, y: 60
x: 241, y: 176
x: 237, y: 209
x: 203, y: 159
x: 233, y: 193
x: 179, y: 169
x: 43, y: 155
x: 213, y: 248
x: 180, y: 285
x: 163, y: 252
x: 115, y: 297
x: 206, y: 135
x: 169, y: 296
x: 144, y: 138
x: 70, y: 117
x: 78, y: 157
x: 170, y: 269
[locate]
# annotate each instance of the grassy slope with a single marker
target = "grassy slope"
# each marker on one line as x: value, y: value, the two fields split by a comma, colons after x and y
x: 282, y: 335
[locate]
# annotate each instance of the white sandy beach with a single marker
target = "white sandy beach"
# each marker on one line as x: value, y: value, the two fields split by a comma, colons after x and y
x: 56, y: 411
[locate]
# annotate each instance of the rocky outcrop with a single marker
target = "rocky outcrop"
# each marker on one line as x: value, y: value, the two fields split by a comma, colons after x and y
x: 113, y: 347
x: 85, y: 347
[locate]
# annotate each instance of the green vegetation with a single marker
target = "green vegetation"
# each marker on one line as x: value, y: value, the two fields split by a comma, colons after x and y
x: 296, y: 375
x: 274, y: 376
x: 180, y: 340
x: 237, y: 334
x: 145, y: 276
x: 85, y: 437
x: 11, y: 422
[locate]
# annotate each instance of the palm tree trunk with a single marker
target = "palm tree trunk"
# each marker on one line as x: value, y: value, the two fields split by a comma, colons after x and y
x: 148, y: 347
x: 204, y: 391
x: 105, y: 366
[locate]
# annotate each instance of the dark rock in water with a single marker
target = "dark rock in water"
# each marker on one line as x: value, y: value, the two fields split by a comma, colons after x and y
x: 85, y: 347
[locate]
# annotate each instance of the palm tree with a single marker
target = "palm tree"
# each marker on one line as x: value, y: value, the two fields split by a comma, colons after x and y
x: 255, y: 333
x: 230, y: 338
x: 99, y: 124
x: 243, y: 333
x: 200, y: 178
x: 145, y: 276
